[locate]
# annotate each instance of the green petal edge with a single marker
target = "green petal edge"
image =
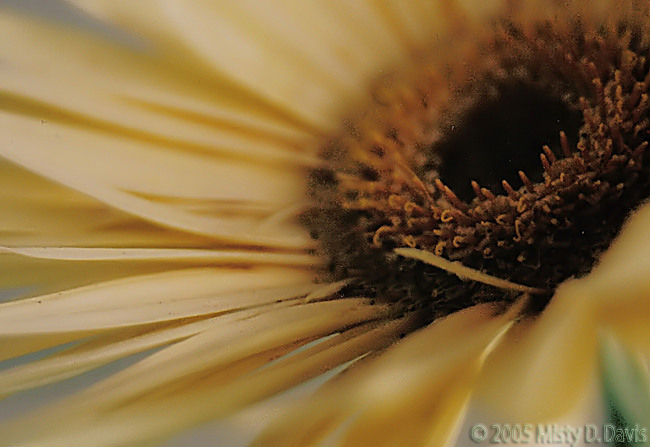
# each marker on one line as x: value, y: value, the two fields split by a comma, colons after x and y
x: 626, y: 389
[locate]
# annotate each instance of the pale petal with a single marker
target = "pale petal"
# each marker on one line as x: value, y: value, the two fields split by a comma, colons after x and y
x: 543, y: 365
x: 588, y: 413
x: 53, y: 99
x: 231, y: 339
x: 131, y: 83
x: 107, y: 348
x: 202, y: 398
x: 116, y: 166
x: 427, y: 376
x: 168, y: 255
x: 541, y: 368
x: 92, y: 354
x: 144, y: 168
x: 22, y: 277
x: 620, y: 284
x: 138, y: 151
x: 307, y: 77
x: 41, y: 212
x: 150, y: 299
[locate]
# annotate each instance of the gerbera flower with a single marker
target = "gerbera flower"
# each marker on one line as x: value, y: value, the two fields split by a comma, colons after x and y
x: 433, y: 205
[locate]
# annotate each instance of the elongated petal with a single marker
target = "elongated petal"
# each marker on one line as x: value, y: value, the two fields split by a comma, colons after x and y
x: 101, y: 174
x: 148, y: 299
x: 297, y: 76
x: 134, y: 421
x: 543, y: 365
x: 427, y: 376
x: 621, y: 282
x: 91, y: 354
x: 169, y: 255
x: 41, y: 212
x: 130, y: 82
x: 287, y: 54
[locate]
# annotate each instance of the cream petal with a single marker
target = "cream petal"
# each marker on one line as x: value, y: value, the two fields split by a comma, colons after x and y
x: 180, y: 153
x: 589, y: 410
x: 143, y: 168
x: 264, y: 57
x: 116, y: 167
x: 412, y: 394
x: 305, y: 77
x: 631, y: 245
x: 221, y: 345
x: 169, y: 255
x: 542, y: 366
x: 108, y: 348
x: 152, y: 298
x: 42, y: 212
x: 154, y: 120
x: 211, y: 395
x: 308, y: 61
x: 413, y: 22
x: 16, y: 346
x: 539, y: 371
x: 136, y: 82
x: 92, y: 354
x: 620, y: 284
x: 631, y: 328
x: 22, y: 277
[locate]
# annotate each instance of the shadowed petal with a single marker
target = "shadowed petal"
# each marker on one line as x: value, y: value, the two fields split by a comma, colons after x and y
x: 207, y: 378
x: 412, y: 394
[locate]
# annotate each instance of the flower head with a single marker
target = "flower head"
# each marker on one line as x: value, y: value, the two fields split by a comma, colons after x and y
x: 434, y: 202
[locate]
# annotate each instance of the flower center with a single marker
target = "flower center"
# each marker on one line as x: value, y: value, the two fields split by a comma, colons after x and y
x: 500, y: 136
x: 519, y: 157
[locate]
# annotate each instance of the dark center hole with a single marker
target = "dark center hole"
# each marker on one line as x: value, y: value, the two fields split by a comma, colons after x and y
x: 499, y: 137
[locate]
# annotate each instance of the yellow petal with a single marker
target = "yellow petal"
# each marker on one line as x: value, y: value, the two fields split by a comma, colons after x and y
x: 231, y: 339
x: 201, y: 396
x: 426, y: 377
x: 299, y: 76
x: 151, y: 298
x: 67, y: 162
x: 127, y: 86
x: 543, y: 365
x: 167, y: 255
x: 92, y: 354
x: 42, y: 212
x: 620, y: 284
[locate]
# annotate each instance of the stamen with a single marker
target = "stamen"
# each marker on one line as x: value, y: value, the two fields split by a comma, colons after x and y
x: 512, y: 163
x: 464, y: 272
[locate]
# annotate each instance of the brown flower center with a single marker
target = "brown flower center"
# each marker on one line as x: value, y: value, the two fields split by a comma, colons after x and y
x: 519, y: 156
